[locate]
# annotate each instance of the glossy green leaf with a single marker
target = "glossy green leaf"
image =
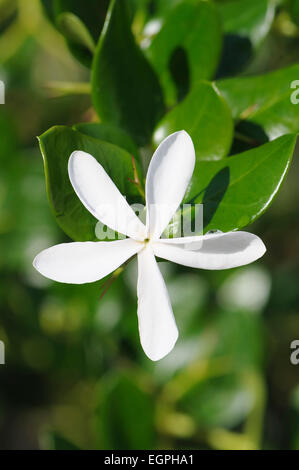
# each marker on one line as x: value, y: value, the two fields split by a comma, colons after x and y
x: 250, y: 18
x: 126, y: 416
x: 109, y: 133
x: 205, y: 115
x: 56, y: 145
x: 237, y: 190
x: 244, y: 93
x: 264, y: 101
x: 187, y: 48
x: 125, y: 89
x: 245, y: 24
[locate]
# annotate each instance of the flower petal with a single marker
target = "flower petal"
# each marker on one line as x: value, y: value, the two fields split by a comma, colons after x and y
x: 218, y: 251
x: 157, y: 327
x: 80, y: 263
x: 168, y: 176
x: 101, y: 197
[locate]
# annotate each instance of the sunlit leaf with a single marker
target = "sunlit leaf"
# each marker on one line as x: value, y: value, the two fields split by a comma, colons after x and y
x: 237, y: 190
x: 264, y: 102
x: 206, y: 117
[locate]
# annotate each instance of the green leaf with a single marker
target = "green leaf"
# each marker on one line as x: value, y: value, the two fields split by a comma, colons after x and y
x: 294, y: 418
x: 91, y: 13
x: 237, y: 190
x: 56, y: 145
x: 48, y: 9
x: 187, y: 48
x: 294, y: 10
x: 160, y: 8
x: 75, y: 31
x: 126, y: 416
x: 80, y: 23
x: 218, y: 401
x: 205, y: 115
x: 240, y: 338
x: 250, y: 18
x: 125, y: 89
x: 264, y: 101
x: 245, y: 24
x: 111, y: 134
x: 58, y: 442
x: 243, y: 93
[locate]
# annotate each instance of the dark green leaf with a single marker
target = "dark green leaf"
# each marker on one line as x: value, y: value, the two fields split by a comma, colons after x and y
x: 264, y: 101
x: 109, y: 133
x: 206, y: 117
x: 56, y: 145
x: 187, y: 48
x: 125, y: 89
x: 126, y: 416
x: 294, y: 10
x: 237, y: 190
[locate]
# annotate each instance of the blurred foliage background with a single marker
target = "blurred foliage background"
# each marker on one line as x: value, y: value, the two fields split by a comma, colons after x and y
x: 75, y: 375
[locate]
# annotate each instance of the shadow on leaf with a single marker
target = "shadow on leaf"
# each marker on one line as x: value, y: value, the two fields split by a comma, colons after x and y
x: 180, y: 72
x: 247, y: 136
x: 236, y: 52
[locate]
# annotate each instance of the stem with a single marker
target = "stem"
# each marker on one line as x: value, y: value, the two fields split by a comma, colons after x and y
x: 58, y: 89
x: 110, y: 281
x: 136, y: 179
x: 245, y: 138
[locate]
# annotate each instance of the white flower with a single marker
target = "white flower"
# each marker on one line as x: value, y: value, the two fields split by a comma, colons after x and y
x: 168, y: 176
